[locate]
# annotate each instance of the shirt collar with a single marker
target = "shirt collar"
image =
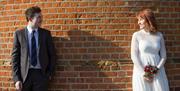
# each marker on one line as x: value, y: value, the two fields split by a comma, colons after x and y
x: 30, y: 29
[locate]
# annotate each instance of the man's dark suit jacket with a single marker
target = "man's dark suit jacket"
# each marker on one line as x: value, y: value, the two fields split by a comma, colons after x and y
x: 20, y: 54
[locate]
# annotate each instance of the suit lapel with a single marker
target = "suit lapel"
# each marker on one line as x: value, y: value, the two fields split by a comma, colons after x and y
x: 26, y: 38
x: 25, y: 34
x: 39, y: 39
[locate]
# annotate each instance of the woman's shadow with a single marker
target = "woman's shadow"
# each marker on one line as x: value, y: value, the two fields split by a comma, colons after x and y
x: 91, y: 60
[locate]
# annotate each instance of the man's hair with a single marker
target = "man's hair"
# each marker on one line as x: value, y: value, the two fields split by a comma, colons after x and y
x: 30, y: 12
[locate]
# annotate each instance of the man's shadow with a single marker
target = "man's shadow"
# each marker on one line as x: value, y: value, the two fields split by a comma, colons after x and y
x: 91, y: 60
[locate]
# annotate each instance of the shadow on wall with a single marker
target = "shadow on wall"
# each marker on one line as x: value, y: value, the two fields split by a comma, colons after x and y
x: 89, y: 62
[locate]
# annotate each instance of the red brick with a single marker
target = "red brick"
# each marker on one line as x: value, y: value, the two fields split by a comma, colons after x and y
x: 94, y: 80
x: 79, y: 86
x: 108, y: 74
x: 88, y: 74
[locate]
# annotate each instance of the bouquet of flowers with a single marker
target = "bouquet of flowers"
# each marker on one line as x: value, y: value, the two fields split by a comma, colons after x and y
x: 150, y: 71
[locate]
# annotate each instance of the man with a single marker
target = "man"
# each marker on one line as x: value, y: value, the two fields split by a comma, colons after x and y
x: 33, y: 55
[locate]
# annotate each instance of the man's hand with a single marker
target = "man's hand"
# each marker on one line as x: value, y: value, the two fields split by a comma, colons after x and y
x: 18, y: 85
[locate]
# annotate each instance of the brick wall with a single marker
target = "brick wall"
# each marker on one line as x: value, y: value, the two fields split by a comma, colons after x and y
x: 92, y: 39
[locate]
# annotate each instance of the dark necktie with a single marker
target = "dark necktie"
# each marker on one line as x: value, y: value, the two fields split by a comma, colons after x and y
x: 33, y: 50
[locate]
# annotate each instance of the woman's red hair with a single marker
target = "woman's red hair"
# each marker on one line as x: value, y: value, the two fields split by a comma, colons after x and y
x: 150, y: 20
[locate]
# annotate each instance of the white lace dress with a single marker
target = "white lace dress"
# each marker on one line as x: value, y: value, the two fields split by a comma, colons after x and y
x: 148, y: 48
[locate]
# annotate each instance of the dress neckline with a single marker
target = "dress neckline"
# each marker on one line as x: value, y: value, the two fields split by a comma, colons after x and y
x: 145, y: 32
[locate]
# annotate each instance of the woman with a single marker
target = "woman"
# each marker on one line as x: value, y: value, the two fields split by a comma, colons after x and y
x: 148, y: 48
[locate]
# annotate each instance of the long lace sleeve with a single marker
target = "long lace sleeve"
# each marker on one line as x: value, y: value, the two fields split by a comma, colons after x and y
x: 162, y: 53
x: 135, y: 52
